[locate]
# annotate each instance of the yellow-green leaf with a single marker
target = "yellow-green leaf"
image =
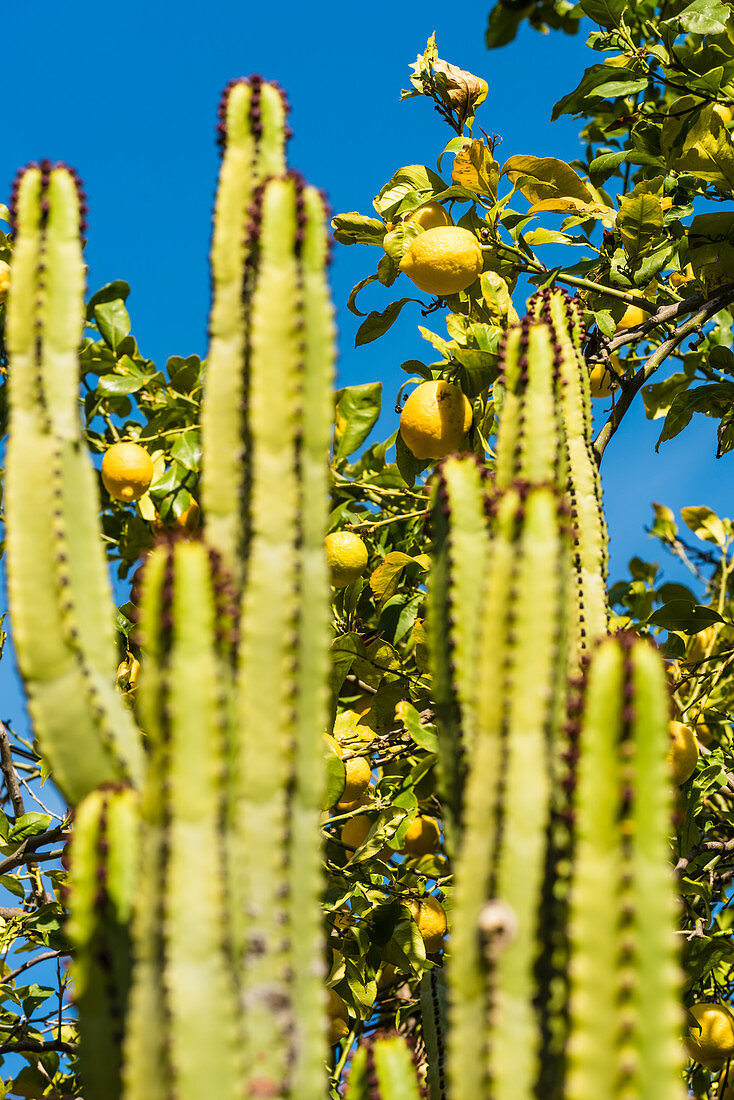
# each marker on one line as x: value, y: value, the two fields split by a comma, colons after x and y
x: 704, y: 523
x: 476, y: 169
x: 640, y: 221
x: 542, y: 178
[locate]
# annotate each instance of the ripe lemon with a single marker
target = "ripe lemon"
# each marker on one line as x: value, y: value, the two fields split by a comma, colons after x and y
x: 711, y: 1038
x: 631, y: 317
x: 338, y: 1017
x: 346, y: 557
x: 4, y: 280
x: 358, y: 772
x: 422, y: 836
x: 354, y: 832
x: 701, y: 643
x: 435, y: 419
x: 443, y: 260
x: 683, y: 752
x: 127, y: 471
x: 429, y: 915
x: 342, y: 807
x: 187, y: 522
x: 601, y: 381
x: 723, y: 112
x: 430, y: 216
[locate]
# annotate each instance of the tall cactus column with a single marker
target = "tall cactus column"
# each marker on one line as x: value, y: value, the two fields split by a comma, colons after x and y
x: 625, y: 1011
x: 59, y: 590
x: 283, y: 653
x: 252, y: 134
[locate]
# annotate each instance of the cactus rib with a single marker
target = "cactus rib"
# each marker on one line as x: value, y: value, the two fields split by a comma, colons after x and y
x: 59, y: 590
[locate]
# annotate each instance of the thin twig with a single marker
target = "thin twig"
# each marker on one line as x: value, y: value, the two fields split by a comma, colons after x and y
x: 32, y: 962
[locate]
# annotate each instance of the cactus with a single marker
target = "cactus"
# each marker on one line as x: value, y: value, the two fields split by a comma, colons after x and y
x: 384, y: 1068
x: 252, y: 134
x: 495, y: 932
x: 59, y: 589
x: 434, y: 1024
x: 625, y: 1017
x: 233, y: 695
x: 104, y: 880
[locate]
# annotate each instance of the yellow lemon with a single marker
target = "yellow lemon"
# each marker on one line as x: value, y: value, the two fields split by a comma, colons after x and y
x: 346, y: 557
x: 358, y: 772
x: 338, y: 1017
x: 344, y: 807
x: 4, y: 280
x: 701, y: 643
x: 430, y: 216
x: 632, y: 316
x: 682, y: 278
x: 186, y: 523
x: 711, y: 1038
x: 443, y: 260
x: 127, y: 471
x: 435, y: 419
x: 683, y: 752
x: 422, y: 837
x: 429, y: 915
x: 704, y: 734
x: 354, y: 832
x: 601, y: 381
x: 723, y: 112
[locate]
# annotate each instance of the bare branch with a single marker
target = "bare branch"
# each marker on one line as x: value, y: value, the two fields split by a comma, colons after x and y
x: 9, y: 774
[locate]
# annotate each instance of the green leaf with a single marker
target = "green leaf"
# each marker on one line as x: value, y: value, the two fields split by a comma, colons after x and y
x: 702, y: 17
x: 376, y: 324
x: 503, y: 24
x: 413, y: 180
x: 119, y: 289
x: 187, y: 449
x: 704, y: 523
x: 424, y: 736
x: 599, y: 81
x: 408, y: 465
x: 684, y: 616
x: 607, y: 13
x: 335, y: 777
x: 113, y: 322
x: 357, y: 411
x: 355, y: 228
x: 639, y: 221
x: 117, y: 385
x: 30, y: 824
x: 385, y: 580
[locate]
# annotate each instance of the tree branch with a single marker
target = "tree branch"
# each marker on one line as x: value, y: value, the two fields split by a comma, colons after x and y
x: 632, y: 387
x: 32, y: 962
x: 8, y: 770
x: 33, y: 1047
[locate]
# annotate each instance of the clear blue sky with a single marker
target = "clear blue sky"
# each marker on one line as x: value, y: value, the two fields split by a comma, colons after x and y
x: 128, y: 95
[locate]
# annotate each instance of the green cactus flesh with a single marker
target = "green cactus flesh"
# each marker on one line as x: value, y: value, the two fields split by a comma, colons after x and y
x: 625, y: 1015
x: 460, y: 550
x: 189, y: 1045
x: 103, y: 884
x: 281, y: 696
x: 495, y: 932
x: 383, y: 1068
x: 434, y: 1008
x: 562, y: 313
x: 59, y: 590
x: 253, y: 117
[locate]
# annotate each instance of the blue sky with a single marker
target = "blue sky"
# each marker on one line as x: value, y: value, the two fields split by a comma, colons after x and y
x: 128, y: 95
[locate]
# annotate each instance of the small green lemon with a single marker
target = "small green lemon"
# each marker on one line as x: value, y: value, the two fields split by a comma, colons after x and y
x: 435, y: 419
x: 346, y: 557
x: 443, y: 260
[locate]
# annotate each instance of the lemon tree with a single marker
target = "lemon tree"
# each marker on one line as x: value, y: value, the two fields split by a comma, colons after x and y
x: 642, y: 226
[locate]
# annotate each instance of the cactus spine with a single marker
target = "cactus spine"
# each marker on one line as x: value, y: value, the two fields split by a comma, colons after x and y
x: 59, y: 590
x: 625, y: 1018
x: 233, y: 695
